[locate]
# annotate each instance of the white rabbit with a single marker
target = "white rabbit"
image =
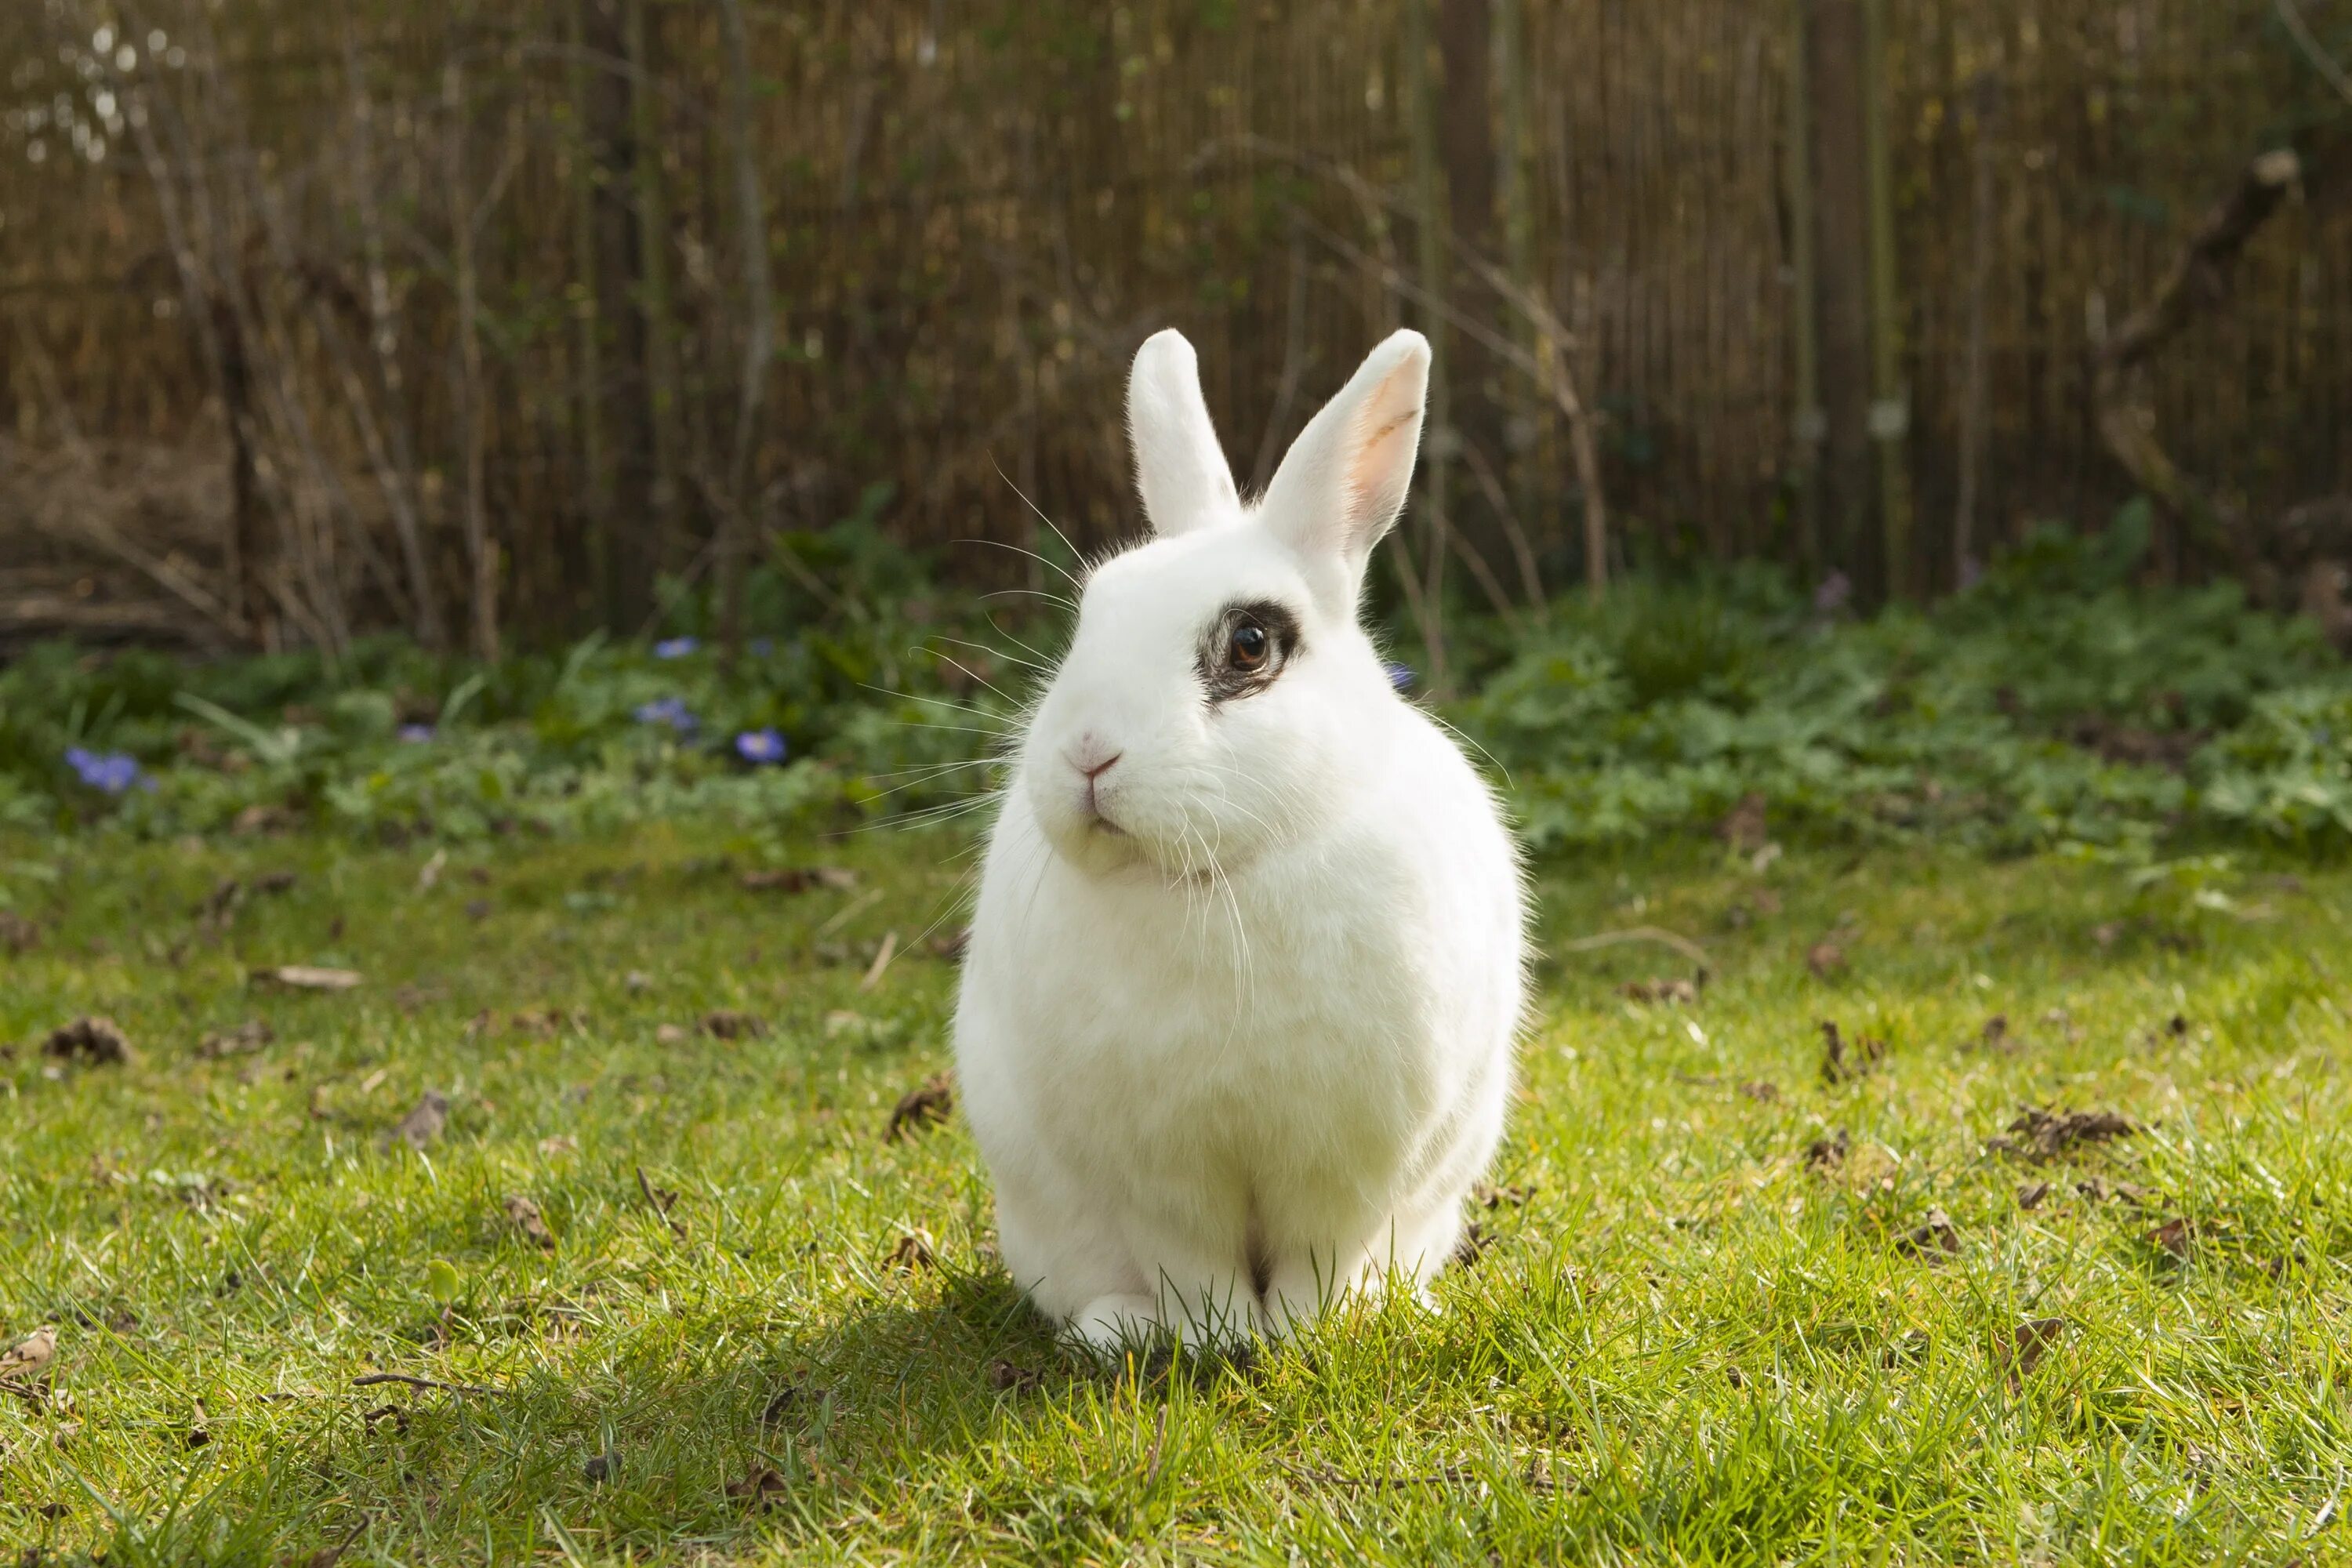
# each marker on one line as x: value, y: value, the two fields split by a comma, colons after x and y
x: 1237, y: 1013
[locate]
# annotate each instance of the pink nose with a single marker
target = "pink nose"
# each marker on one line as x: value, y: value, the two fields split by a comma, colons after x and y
x: 1084, y: 761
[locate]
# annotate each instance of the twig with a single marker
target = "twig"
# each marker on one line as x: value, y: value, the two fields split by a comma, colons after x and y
x: 1152, y: 1461
x: 654, y: 1201
x: 1658, y: 934
x: 2299, y: 27
x: 373, y: 1378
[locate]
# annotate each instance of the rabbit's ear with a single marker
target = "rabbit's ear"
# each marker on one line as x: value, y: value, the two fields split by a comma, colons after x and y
x: 1179, y: 467
x: 1345, y: 478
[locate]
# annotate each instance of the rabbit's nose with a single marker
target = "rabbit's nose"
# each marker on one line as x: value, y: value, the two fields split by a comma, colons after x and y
x: 1093, y: 760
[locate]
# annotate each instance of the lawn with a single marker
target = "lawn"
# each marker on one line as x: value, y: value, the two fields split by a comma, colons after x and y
x: 1735, y: 1302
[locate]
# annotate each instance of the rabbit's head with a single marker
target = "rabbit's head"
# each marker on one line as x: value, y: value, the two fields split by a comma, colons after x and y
x: 1218, y: 699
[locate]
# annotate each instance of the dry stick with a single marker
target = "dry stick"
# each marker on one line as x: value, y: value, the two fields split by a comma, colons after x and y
x: 1658, y: 934
x: 374, y: 1378
x: 1496, y: 594
x: 481, y: 555
x: 398, y: 467
x: 1530, y: 575
x: 1152, y: 1461
x: 1972, y: 384
x: 751, y: 215
x: 320, y: 607
x: 2325, y: 64
x: 1294, y: 359
x: 1558, y: 382
x: 260, y: 340
x: 197, y: 301
x: 2198, y: 277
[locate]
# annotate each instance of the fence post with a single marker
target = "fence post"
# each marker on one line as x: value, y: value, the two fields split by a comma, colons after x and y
x: 1890, y: 407
x: 1836, y: 72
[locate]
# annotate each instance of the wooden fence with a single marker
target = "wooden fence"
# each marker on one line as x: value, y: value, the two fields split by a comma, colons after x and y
x: 480, y: 266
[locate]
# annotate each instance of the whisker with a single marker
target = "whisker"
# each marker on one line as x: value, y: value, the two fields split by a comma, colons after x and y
x: 1017, y: 550
x: 1062, y: 599
x: 998, y: 652
x: 1074, y: 551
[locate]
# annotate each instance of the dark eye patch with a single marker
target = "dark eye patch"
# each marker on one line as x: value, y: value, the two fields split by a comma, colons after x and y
x: 1244, y: 647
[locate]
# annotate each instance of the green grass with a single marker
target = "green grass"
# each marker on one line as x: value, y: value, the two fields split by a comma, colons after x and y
x: 1686, y: 1344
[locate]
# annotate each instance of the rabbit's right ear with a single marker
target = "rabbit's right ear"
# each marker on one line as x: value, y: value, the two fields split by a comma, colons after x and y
x: 1179, y: 467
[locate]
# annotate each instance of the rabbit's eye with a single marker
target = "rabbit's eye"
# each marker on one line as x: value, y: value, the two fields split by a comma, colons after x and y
x: 1245, y: 650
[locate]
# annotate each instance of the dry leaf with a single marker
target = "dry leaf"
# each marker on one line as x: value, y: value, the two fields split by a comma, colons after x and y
x: 1826, y: 959
x: 726, y: 1024
x: 1935, y: 1238
x: 760, y: 1490
x: 247, y: 1036
x: 29, y: 1357
x: 1476, y: 1239
x: 1841, y: 1063
x: 423, y: 1125
x: 2030, y: 1196
x: 669, y: 1035
x: 1669, y: 989
x: 1823, y: 1155
x: 200, y: 1430
x: 430, y: 872
x: 913, y: 1252
x: 527, y: 1219
x: 2173, y: 1236
x: 306, y: 977
x: 1764, y: 1091
x: 2046, y: 1134
x: 1487, y: 1195
x: 94, y: 1041
x: 1007, y: 1378
x: 926, y: 1105
x: 561, y: 1144
x: 603, y: 1468
x: 2029, y: 1342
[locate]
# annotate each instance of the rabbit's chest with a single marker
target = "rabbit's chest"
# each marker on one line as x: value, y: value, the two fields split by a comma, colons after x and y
x: 1257, y: 1048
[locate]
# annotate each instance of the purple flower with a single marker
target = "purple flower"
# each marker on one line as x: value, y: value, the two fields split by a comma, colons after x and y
x: 669, y: 710
x: 760, y: 748
x: 1831, y: 595
x: 675, y: 647
x: 415, y: 734
x: 1401, y: 675
x: 109, y: 773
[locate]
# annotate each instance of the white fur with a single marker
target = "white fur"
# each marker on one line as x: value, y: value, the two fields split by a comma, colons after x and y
x: 1264, y: 1026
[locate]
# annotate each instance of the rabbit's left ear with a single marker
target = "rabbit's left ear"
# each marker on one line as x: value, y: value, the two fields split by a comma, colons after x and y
x: 1179, y: 467
x: 1345, y: 478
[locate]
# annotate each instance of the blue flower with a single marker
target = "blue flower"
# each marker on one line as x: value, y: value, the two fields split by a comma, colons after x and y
x: 109, y: 773
x: 415, y: 734
x: 763, y: 646
x: 675, y: 647
x: 760, y: 748
x: 669, y: 710
x: 1401, y: 675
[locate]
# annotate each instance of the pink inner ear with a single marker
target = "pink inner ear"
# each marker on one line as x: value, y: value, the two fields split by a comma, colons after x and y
x: 1372, y: 457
